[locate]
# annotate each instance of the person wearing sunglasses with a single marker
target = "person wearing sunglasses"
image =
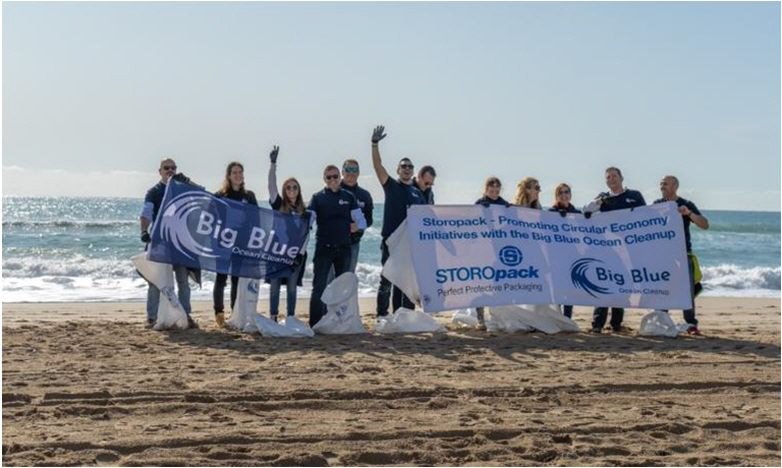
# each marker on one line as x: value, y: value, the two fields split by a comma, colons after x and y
x: 233, y: 189
x: 425, y: 182
x: 399, y: 195
x: 152, y: 201
x: 562, y: 205
x: 338, y: 215
x: 350, y: 173
x: 618, y: 197
x: 290, y: 201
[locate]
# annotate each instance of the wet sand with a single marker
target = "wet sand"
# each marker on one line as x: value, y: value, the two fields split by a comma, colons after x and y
x: 86, y: 384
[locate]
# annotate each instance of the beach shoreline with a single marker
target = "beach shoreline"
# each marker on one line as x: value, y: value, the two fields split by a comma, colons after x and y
x: 86, y: 383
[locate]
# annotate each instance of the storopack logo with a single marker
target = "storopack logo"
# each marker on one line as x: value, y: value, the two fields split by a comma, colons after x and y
x: 509, y: 255
x: 174, y: 226
x: 578, y: 275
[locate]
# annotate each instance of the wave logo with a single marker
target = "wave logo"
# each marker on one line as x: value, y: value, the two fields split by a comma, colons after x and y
x: 578, y: 275
x: 510, y: 255
x: 174, y: 226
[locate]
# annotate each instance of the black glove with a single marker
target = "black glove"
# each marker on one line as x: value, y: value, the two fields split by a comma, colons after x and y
x: 145, y: 237
x: 273, y: 154
x: 587, y: 214
x: 485, y: 204
x: 562, y: 213
x: 378, y: 134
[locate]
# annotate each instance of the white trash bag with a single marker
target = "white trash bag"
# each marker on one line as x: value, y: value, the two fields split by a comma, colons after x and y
x: 269, y: 328
x: 341, y: 299
x: 408, y: 321
x: 506, y: 319
x: 465, y: 317
x: 243, y: 314
x: 546, y: 318
x: 658, y: 323
x: 301, y: 328
x: 170, y: 313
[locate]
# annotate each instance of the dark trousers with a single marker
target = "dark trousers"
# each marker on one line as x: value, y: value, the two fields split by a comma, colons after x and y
x: 219, y: 290
x: 567, y: 310
x: 601, y: 314
x: 386, y: 290
x: 689, y: 314
x: 326, y: 257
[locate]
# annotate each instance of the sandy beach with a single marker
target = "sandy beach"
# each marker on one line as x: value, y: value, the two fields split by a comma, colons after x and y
x: 86, y: 384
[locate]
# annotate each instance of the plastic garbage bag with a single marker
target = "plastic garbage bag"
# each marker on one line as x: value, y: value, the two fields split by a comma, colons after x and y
x: 465, y: 317
x: 528, y: 317
x: 658, y: 323
x: 547, y: 318
x: 408, y: 321
x: 399, y: 269
x: 269, y: 328
x: 506, y: 319
x: 170, y: 313
x: 341, y: 299
x: 243, y: 314
x: 301, y: 328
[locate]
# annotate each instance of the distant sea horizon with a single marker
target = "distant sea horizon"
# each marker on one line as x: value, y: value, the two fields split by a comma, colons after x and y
x: 78, y: 249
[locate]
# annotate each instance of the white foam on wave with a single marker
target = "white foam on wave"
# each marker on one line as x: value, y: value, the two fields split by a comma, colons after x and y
x: 733, y: 280
x: 84, y: 279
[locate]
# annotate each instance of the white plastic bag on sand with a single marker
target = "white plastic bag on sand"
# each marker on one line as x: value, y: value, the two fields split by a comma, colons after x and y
x: 301, y: 328
x: 465, y: 317
x: 341, y: 299
x: 170, y: 313
x: 269, y: 328
x: 243, y: 313
x: 408, y: 321
x: 658, y: 323
x: 399, y: 269
x: 528, y: 317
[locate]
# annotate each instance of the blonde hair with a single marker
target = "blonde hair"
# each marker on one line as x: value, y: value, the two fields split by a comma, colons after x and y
x: 521, y: 195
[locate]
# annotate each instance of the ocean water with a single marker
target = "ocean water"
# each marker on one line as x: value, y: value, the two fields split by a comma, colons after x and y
x: 78, y: 249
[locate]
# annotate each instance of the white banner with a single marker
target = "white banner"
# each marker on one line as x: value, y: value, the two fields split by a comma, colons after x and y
x: 468, y: 256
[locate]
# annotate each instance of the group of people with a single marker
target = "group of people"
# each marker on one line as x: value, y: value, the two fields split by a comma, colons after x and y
x: 343, y: 211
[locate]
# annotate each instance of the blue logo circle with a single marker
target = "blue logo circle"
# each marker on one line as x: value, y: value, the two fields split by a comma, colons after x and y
x: 510, y: 255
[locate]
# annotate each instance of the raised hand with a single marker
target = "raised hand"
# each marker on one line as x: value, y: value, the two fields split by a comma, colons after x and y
x: 378, y: 134
x: 274, y: 153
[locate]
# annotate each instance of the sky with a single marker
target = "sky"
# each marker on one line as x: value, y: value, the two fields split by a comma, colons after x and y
x: 95, y: 94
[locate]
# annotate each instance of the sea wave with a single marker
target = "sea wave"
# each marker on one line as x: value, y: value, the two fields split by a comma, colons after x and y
x: 80, y: 278
x: 107, y: 224
x: 729, y: 277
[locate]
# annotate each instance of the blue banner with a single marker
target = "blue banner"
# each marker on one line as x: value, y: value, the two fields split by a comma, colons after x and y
x: 199, y: 230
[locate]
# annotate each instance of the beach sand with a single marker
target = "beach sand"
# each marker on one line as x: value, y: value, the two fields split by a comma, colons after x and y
x: 86, y: 384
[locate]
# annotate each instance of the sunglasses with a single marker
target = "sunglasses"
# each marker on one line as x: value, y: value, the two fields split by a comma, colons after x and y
x: 332, y: 177
x: 536, y: 187
x: 291, y: 187
x: 406, y: 166
x: 564, y: 192
x: 169, y: 168
x: 350, y: 170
